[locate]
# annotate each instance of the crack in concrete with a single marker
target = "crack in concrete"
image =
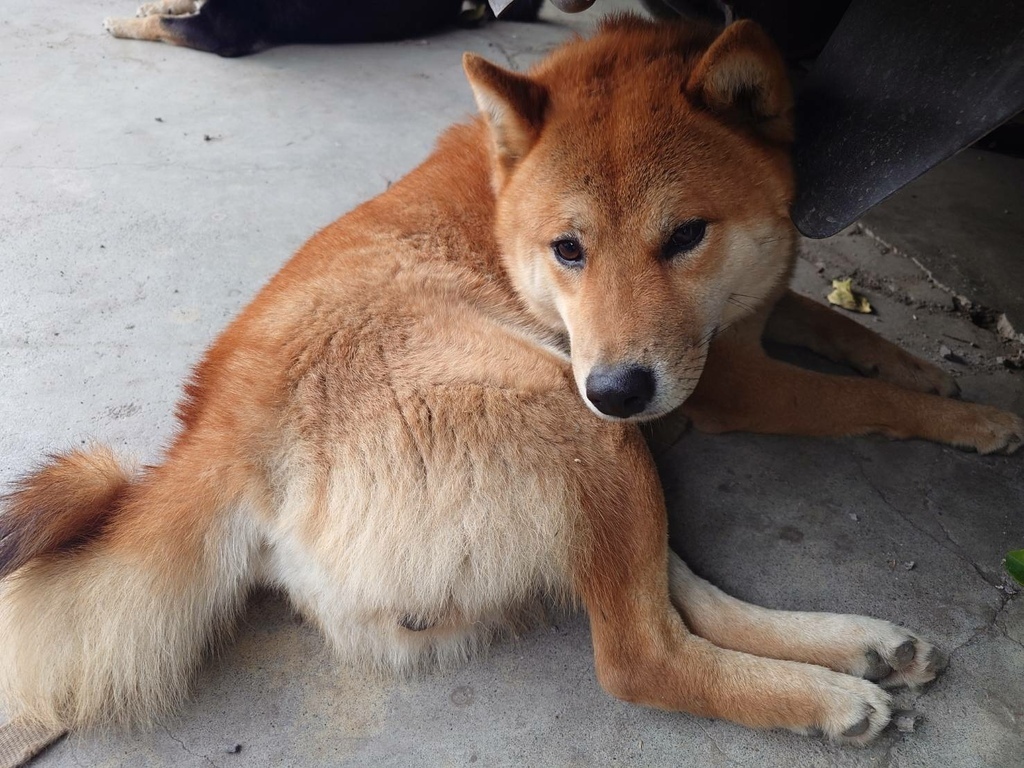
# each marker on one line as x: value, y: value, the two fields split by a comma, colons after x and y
x: 714, y: 743
x: 874, y: 282
x: 988, y: 625
x: 991, y: 580
x: 182, y: 745
x: 953, y: 549
x: 1001, y: 326
x: 1003, y: 630
x: 993, y: 322
x: 928, y: 274
x: 512, y: 59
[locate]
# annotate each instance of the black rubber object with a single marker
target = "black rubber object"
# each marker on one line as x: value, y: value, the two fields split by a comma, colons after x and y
x: 901, y: 86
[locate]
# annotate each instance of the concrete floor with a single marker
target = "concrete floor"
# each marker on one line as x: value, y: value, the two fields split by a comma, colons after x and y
x: 146, y: 192
x: 965, y: 220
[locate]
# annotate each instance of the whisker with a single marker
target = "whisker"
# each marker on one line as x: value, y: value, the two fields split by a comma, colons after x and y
x: 747, y: 296
x: 741, y: 305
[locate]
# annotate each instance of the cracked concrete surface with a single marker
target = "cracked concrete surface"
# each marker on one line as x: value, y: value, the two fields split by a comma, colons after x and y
x: 128, y: 241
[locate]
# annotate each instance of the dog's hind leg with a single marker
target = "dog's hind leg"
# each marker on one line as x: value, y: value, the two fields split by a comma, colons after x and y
x: 857, y: 645
x: 803, y: 322
x: 211, y: 29
x: 644, y: 652
x: 145, y: 28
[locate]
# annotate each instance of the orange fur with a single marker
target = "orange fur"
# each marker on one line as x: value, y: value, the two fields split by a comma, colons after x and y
x: 396, y: 431
x: 78, y: 492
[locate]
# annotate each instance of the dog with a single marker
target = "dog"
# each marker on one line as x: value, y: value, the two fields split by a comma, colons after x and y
x: 429, y: 419
x: 233, y: 28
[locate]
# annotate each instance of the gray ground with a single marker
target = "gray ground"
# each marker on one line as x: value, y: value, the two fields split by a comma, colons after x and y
x: 146, y: 193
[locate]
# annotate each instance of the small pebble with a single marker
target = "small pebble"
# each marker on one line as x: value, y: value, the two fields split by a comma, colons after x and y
x: 234, y: 749
x: 854, y: 516
x: 948, y: 354
x: 909, y: 565
x: 907, y: 722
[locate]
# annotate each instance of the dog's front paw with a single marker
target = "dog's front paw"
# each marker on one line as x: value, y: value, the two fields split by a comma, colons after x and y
x: 990, y: 430
x: 850, y: 710
x: 893, y: 657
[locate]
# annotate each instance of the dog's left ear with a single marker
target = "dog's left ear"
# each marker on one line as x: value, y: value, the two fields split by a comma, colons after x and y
x: 742, y: 77
x: 513, y: 106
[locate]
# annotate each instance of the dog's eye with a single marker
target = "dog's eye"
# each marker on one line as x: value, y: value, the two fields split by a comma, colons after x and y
x: 568, y: 251
x: 685, y: 238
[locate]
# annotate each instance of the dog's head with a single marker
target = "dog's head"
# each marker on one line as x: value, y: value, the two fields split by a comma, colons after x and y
x: 643, y: 186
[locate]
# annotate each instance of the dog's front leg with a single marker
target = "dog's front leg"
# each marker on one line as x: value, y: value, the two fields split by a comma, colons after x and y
x: 857, y: 645
x: 742, y: 389
x: 803, y: 322
x: 644, y: 652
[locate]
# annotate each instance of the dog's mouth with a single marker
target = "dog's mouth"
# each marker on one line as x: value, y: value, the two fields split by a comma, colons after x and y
x: 636, y: 393
x: 647, y: 389
x: 650, y: 413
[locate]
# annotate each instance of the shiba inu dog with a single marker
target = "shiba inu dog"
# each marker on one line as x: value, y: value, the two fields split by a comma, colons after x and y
x: 429, y: 418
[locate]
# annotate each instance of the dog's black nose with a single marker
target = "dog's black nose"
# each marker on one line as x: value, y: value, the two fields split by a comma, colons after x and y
x: 622, y: 391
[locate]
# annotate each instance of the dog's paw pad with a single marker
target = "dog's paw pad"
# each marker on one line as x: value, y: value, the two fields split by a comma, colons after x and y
x: 865, y: 721
x: 849, y: 710
x: 860, y: 715
x: 877, y: 667
x: 858, y: 729
x: 904, y: 653
x: 914, y: 662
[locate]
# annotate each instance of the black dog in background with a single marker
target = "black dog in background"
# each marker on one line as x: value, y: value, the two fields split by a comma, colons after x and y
x: 241, y: 27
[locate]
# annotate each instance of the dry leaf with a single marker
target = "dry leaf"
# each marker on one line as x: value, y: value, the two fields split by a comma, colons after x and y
x: 843, y: 296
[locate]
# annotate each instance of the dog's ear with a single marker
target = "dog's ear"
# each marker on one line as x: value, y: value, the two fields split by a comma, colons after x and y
x: 513, y: 106
x: 742, y: 77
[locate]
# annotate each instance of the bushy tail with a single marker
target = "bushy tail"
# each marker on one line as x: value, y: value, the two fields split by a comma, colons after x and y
x: 115, y: 586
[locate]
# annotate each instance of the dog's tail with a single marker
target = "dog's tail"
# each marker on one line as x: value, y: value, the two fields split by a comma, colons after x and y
x: 114, y: 585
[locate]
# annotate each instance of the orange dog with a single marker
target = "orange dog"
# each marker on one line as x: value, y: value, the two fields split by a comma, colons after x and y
x: 428, y: 420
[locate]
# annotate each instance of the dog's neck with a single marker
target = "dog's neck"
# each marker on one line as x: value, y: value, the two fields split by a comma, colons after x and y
x: 449, y: 200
